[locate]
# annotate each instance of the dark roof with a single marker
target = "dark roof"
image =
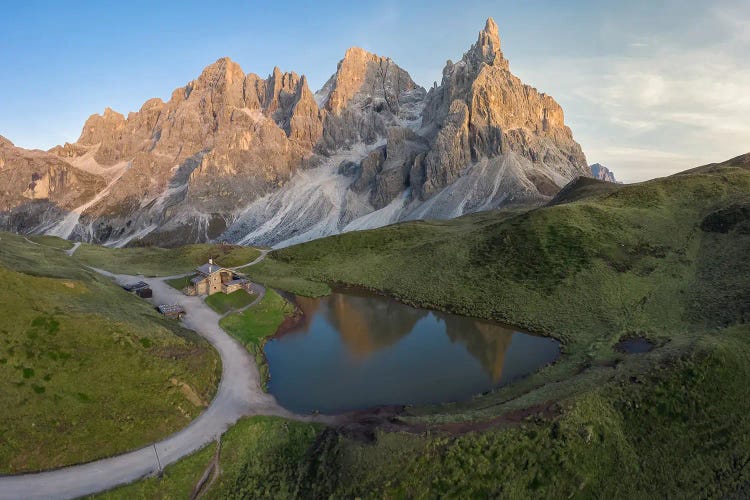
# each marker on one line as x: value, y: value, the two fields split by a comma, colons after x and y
x: 238, y: 281
x: 135, y: 286
x: 197, y: 279
x: 207, y: 269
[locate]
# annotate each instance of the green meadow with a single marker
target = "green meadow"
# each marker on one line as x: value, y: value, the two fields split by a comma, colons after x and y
x: 86, y: 369
x: 665, y: 260
x: 223, y: 303
x: 155, y: 261
x: 255, y: 325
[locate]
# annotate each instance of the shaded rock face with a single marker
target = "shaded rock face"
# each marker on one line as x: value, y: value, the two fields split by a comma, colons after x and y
x: 599, y: 171
x: 38, y: 188
x: 366, y: 95
x: 233, y: 156
x: 37, y: 175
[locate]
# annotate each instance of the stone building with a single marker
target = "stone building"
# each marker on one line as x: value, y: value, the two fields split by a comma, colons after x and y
x: 212, y: 278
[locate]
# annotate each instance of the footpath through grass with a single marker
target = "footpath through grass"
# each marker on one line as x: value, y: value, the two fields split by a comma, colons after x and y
x: 51, y: 241
x: 153, y: 261
x: 255, y: 325
x: 86, y: 369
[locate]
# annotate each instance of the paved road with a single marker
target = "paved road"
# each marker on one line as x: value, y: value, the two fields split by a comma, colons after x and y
x: 239, y: 394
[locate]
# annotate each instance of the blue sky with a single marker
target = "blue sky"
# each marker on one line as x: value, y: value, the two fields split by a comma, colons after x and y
x: 648, y: 88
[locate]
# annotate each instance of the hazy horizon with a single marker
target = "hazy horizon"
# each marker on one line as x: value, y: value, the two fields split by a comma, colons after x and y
x: 648, y: 90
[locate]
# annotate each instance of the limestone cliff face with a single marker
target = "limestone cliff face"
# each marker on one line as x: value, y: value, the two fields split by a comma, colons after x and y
x: 220, y: 142
x: 490, y: 113
x: 367, y: 94
x: 33, y: 175
x: 259, y: 160
x: 449, y: 154
x: 37, y: 187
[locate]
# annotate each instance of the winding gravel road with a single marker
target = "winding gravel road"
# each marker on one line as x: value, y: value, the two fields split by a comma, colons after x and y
x: 239, y: 395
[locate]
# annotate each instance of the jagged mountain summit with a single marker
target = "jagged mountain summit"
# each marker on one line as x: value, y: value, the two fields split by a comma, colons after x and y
x: 602, y: 173
x: 233, y: 156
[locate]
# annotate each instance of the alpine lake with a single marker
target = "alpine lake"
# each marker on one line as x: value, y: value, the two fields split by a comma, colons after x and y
x: 354, y: 350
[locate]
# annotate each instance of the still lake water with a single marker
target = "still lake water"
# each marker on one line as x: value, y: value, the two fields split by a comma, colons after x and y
x: 355, y: 351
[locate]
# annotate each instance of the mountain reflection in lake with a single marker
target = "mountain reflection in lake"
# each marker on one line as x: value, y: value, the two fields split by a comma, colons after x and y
x: 356, y: 351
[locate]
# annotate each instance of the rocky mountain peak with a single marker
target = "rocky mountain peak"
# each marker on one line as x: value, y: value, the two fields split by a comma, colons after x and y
x: 220, y: 158
x: 487, y: 48
x: 99, y: 128
x: 490, y: 27
x: 367, y: 94
x: 153, y: 103
x: 349, y: 77
x: 224, y: 69
x: 362, y: 72
x: 482, y: 112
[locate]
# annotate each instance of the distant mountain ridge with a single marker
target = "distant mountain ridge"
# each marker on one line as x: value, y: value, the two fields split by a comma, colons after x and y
x: 602, y: 173
x: 233, y: 156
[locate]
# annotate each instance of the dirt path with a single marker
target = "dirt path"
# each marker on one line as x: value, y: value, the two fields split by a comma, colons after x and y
x: 262, y: 256
x: 239, y: 395
x: 68, y: 252
x: 260, y: 290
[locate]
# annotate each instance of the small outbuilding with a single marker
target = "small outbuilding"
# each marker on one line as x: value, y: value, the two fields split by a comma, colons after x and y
x: 172, y: 311
x: 133, y: 287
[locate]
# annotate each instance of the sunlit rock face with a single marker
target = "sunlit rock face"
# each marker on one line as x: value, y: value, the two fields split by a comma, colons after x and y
x: 234, y: 156
x: 482, y: 111
x: 37, y: 188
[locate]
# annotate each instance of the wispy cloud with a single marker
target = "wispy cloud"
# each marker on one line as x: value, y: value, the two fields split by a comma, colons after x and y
x: 650, y: 112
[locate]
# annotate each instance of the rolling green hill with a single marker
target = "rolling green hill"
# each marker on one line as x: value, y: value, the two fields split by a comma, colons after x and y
x: 601, y: 262
x: 665, y: 260
x: 155, y: 261
x: 86, y: 369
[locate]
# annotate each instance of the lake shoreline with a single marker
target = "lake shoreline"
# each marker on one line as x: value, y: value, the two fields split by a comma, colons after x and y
x: 374, y: 351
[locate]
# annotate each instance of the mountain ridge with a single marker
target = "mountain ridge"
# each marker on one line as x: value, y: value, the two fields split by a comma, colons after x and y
x: 212, y: 161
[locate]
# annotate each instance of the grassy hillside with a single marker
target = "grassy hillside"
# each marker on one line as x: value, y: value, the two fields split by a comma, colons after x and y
x: 51, y: 241
x: 86, y: 369
x: 677, y: 431
x: 260, y: 457
x: 154, y: 261
x: 224, y: 303
x: 665, y: 260
x: 621, y: 261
